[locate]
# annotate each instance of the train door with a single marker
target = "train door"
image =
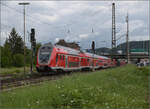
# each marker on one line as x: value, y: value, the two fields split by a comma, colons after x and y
x: 81, y: 62
x: 91, y: 62
x: 88, y: 62
x: 63, y: 63
x: 66, y: 61
x: 56, y: 59
x: 59, y: 60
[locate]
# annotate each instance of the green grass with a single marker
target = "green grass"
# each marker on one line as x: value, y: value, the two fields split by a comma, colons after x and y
x: 17, y: 73
x: 13, y: 70
x: 122, y: 87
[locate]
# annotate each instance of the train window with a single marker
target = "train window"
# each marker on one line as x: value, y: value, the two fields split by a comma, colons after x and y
x: 87, y: 60
x: 43, y: 48
x: 100, y: 61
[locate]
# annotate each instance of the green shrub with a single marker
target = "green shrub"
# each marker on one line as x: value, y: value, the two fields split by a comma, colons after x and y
x: 5, y: 61
x: 17, y: 71
x: 28, y: 59
x: 18, y: 60
x: 6, y: 57
x: 143, y: 71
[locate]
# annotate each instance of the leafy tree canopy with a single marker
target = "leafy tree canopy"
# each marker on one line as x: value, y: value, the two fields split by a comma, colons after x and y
x: 14, y: 42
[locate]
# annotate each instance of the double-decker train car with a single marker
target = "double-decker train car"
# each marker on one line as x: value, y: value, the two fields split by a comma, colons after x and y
x: 59, y: 58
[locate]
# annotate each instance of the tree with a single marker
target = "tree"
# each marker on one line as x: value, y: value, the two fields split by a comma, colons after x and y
x: 6, y: 57
x: 18, y: 60
x: 28, y: 56
x: 14, y: 42
x: 38, y: 45
x: 11, y: 53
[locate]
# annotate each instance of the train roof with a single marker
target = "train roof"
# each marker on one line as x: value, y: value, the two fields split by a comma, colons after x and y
x: 48, y: 44
x: 75, y: 52
x: 96, y: 56
x: 69, y: 50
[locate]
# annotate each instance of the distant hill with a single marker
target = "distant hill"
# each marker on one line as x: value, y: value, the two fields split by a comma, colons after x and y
x: 100, y: 51
x: 143, y: 45
x: 133, y: 45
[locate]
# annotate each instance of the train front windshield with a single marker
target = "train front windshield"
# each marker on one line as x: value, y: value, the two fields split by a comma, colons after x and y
x: 44, y: 54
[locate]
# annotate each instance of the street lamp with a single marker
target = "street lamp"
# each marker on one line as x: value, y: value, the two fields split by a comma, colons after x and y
x: 24, y: 4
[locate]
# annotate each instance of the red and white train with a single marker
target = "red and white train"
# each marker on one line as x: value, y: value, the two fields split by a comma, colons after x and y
x: 59, y: 58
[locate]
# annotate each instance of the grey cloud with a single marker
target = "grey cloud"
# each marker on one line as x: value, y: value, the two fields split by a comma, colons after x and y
x: 79, y: 17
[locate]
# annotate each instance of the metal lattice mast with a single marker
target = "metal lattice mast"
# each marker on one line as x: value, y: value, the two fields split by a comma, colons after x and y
x: 127, y: 40
x: 113, y: 27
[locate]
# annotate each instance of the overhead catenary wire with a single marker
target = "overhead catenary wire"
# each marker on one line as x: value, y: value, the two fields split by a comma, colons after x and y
x: 35, y: 19
x: 4, y: 25
x: 32, y: 18
x: 120, y: 37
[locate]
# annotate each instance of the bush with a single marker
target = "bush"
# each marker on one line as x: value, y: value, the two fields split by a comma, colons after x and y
x: 17, y: 71
x: 6, y: 61
x: 6, y: 57
x: 143, y: 71
x: 28, y: 59
x: 18, y: 60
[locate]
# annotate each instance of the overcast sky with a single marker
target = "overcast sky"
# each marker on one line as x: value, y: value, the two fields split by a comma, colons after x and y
x: 53, y: 19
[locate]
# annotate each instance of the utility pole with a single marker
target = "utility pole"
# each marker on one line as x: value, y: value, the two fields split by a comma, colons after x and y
x: 24, y: 4
x: 113, y: 30
x: 127, y: 40
x: 93, y: 49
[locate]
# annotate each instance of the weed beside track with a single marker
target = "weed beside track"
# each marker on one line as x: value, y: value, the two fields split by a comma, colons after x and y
x: 122, y: 88
x: 12, y: 82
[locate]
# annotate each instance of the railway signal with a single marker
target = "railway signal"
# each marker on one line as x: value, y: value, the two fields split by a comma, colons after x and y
x: 93, y: 49
x: 33, y: 40
x: 32, y: 34
x: 33, y: 46
x: 93, y: 46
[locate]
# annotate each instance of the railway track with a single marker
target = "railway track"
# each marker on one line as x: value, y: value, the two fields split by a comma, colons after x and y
x: 6, y: 85
x: 10, y: 85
